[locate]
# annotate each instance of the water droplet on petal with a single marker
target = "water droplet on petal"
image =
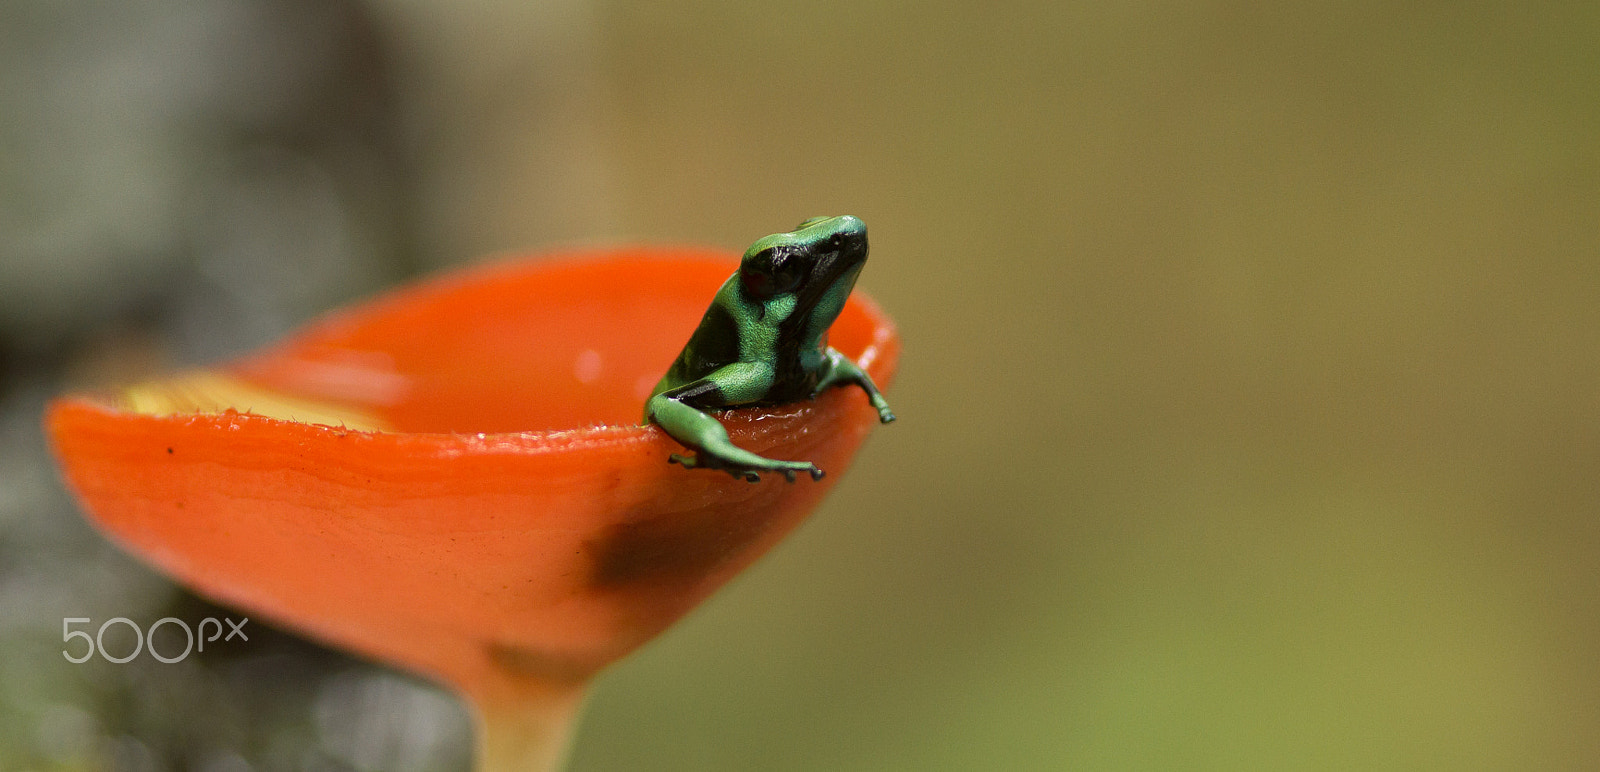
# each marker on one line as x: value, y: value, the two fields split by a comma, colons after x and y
x: 587, y: 368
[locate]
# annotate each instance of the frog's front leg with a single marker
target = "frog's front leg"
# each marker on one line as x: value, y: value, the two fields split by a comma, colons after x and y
x: 680, y: 412
x: 840, y: 370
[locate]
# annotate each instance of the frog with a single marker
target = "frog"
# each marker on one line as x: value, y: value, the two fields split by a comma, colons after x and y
x: 764, y: 342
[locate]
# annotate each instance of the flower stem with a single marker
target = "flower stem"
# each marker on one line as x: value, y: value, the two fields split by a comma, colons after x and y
x: 527, y: 733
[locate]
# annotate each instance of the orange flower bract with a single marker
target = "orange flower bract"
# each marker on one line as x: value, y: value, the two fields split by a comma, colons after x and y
x: 452, y: 478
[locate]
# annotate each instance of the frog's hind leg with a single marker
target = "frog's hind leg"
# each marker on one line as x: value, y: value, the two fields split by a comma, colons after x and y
x: 679, y: 413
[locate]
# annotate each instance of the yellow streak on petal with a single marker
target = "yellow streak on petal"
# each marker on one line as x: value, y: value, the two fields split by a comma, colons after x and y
x: 205, y: 391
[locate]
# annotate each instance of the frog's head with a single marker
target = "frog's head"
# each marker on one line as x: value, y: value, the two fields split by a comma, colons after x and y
x: 816, y: 265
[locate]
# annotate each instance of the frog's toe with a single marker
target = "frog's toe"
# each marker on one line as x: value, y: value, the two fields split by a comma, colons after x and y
x: 807, y: 467
x: 739, y: 471
x: 885, y: 417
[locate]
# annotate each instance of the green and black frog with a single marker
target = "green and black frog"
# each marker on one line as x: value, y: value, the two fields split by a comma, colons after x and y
x: 763, y: 341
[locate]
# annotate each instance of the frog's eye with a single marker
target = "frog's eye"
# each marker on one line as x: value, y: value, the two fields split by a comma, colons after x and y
x: 786, y: 275
x: 770, y: 273
x: 757, y: 285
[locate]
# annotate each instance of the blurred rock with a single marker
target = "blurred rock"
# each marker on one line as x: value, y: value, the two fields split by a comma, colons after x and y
x: 179, y: 181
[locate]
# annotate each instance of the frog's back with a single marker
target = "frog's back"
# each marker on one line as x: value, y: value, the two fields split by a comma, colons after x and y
x: 715, y: 342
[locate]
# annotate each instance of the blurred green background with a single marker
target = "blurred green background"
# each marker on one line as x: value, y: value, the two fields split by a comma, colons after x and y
x: 1248, y: 408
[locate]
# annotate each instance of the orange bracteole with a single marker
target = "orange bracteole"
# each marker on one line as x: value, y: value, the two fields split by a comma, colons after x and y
x: 452, y: 479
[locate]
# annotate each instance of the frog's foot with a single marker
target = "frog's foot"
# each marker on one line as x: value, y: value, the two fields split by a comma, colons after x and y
x: 885, y: 415
x: 746, y: 472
